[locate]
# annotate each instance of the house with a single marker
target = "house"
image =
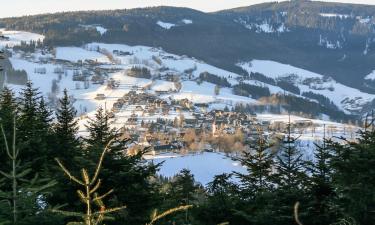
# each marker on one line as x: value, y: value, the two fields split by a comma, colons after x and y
x: 4, y: 38
x: 121, y: 53
x: 40, y: 70
x: 303, y: 123
x: 100, y: 97
x: 159, y: 149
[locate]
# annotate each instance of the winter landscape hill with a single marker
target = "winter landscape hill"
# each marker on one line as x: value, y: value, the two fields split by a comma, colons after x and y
x: 332, y: 39
x: 255, y: 115
x: 297, y: 57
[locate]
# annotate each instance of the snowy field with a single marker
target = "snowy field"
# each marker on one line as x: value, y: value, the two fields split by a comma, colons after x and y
x: 16, y: 37
x: 204, y: 166
x: 75, y: 54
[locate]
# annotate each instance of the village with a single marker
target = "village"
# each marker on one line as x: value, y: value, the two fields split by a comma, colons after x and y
x: 145, y: 101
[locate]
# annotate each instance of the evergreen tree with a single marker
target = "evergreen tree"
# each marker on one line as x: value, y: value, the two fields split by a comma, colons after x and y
x: 183, y: 190
x: 22, y: 200
x: 289, y: 165
x: 257, y: 184
x: 67, y: 149
x: 321, y: 190
x: 66, y: 130
x: 33, y: 125
x: 258, y: 162
x: 134, y: 183
x: 44, y: 116
x: 8, y: 111
x: 290, y: 179
x: 100, y: 132
x: 222, y: 200
x: 354, y: 177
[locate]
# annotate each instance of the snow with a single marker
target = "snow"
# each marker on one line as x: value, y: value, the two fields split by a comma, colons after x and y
x: 347, y: 98
x: 160, y: 85
x: 203, y: 166
x: 309, y: 136
x: 282, y: 28
x: 173, y: 62
x: 371, y: 76
x: 16, y: 37
x: 333, y: 15
x: 263, y: 27
x: 205, y: 93
x: 364, y: 20
x: 187, y: 21
x: 75, y: 54
x: 275, y: 70
x: 165, y: 25
x: 101, y: 30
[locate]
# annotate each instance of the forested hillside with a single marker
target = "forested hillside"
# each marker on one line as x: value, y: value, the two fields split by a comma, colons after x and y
x: 327, y: 38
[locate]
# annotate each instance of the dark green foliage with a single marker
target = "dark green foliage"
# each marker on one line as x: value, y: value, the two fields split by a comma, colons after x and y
x: 262, y: 78
x: 18, y: 77
x: 28, y: 47
x: 222, y: 200
x: 67, y: 148
x: 100, y: 132
x: 301, y: 105
x: 181, y: 190
x: 287, y: 86
x: 8, y: 111
x: 65, y: 130
x: 139, y: 72
x: 338, y: 185
x: 250, y: 90
x: 323, y: 100
x: 134, y: 182
x: 212, y: 78
x: 34, y: 128
x: 21, y: 199
x: 321, y: 208
x: 353, y: 177
x: 290, y: 179
x: 259, y: 163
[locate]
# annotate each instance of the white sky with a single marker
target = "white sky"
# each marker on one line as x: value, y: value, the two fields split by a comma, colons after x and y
x: 10, y: 8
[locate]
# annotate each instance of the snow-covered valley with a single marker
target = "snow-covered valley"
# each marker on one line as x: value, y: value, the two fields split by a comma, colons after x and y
x: 102, y: 75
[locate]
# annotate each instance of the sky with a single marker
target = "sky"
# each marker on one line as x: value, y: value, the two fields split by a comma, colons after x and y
x: 9, y: 8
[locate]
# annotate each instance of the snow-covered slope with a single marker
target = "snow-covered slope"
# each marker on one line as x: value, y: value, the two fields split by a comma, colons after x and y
x: 16, y: 37
x: 347, y: 98
x: 75, y: 54
x: 120, y: 57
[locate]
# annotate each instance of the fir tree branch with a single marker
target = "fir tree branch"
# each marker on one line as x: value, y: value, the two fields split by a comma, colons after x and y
x: 111, y: 210
x: 107, y: 147
x: 296, y: 215
x: 97, y: 185
x: 68, y: 173
x: 67, y: 213
x: 103, y: 196
x: 168, y: 212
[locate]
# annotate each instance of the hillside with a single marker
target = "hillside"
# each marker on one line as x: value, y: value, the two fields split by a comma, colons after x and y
x: 328, y: 38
